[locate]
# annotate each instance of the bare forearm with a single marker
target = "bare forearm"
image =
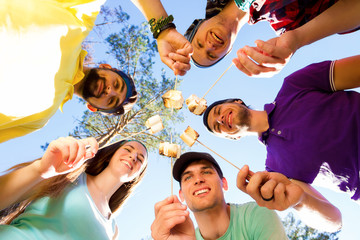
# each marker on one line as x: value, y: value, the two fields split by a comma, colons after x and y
x: 15, y: 185
x: 317, y: 212
x: 341, y: 17
x: 150, y: 8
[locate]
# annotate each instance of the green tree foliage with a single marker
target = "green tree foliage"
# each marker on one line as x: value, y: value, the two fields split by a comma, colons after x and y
x: 296, y: 230
x: 134, y: 49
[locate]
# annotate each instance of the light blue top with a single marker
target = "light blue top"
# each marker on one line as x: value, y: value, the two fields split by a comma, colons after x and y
x: 250, y: 222
x: 244, y: 5
x: 73, y: 215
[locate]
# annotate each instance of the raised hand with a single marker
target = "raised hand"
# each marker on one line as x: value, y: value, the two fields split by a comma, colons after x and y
x: 172, y: 221
x: 65, y: 155
x: 267, y: 58
x: 174, y: 50
x: 270, y: 189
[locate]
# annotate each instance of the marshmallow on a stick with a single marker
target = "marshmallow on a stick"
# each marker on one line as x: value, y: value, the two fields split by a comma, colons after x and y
x: 155, y: 124
x: 170, y: 149
x: 173, y: 99
x: 196, y: 105
x: 189, y: 136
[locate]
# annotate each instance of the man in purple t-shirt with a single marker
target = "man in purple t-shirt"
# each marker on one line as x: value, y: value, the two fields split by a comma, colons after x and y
x: 311, y: 130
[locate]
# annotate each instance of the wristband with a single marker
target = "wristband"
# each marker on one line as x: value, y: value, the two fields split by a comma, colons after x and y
x: 160, y: 25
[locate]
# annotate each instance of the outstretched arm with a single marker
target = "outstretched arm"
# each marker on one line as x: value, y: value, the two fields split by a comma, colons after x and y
x: 271, y: 56
x: 347, y: 73
x: 62, y: 156
x: 172, y: 221
x: 173, y: 47
x: 275, y: 191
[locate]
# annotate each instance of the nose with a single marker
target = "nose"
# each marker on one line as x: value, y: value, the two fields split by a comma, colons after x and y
x: 109, y: 91
x: 210, y: 46
x: 220, y: 119
x: 133, y: 156
x: 199, y: 179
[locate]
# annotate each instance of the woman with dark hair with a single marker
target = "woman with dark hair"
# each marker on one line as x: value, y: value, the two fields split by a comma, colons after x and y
x: 60, y: 197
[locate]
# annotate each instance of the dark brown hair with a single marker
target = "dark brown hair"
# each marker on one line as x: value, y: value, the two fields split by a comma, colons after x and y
x: 54, y: 186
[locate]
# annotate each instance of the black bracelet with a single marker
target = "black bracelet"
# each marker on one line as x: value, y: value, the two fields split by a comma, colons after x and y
x: 160, y: 25
x: 157, y: 33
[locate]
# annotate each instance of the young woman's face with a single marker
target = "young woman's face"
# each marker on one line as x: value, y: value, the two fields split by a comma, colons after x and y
x: 128, y: 161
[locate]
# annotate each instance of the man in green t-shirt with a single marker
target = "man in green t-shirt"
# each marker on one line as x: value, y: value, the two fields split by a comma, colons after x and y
x: 201, y: 186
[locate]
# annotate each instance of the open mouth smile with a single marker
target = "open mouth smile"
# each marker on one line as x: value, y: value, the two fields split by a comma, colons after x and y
x: 201, y: 191
x: 100, y: 88
x: 229, y: 120
x: 127, y: 164
x: 217, y: 38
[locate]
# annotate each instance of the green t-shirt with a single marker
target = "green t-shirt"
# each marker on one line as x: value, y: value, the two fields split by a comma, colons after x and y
x: 250, y: 222
x: 73, y: 215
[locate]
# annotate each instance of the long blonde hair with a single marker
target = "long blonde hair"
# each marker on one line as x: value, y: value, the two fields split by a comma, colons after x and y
x: 54, y: 186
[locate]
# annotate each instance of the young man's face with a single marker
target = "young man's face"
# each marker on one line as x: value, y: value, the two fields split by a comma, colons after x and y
x: 211, y: 42
x: 201, y: 186
x: 229, y: 119
x: 104, y: 90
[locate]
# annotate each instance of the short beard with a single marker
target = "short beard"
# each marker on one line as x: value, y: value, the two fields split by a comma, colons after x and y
x: 244, y: 126
x: 90, y: 84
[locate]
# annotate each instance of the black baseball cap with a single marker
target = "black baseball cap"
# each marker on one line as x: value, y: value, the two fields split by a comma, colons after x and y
x: 187, y: 158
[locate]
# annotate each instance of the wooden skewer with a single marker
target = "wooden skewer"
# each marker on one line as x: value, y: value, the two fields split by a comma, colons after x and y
x: 176, y: 82
x: 217, y: 80
x: 218, y: 155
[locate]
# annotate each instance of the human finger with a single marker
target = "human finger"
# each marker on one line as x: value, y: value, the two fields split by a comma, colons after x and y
x: 280, y: 197
x: 262, y: 57
x: 91, y: 147
x: 179, y: 58
x: 241, y: 182
x: 254, y: 185
x: 185, y: 51
x: 280, y: 52
x: 181, y: 67
x: 239, y: 65
x: 267, y: 190
x: 166, y: 201
x: 73, y: 146
x: 251, y: 68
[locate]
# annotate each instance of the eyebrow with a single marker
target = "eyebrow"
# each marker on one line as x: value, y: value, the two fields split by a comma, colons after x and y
x: 135, y: 149
x: 189, y: 172
x: 216, y: 109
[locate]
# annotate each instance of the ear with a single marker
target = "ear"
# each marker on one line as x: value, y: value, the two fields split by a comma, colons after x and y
x: 181, y: 196
x: 225, y: 184
x: 105, y: 65
x: 238, y: 101
x: 91, y: 108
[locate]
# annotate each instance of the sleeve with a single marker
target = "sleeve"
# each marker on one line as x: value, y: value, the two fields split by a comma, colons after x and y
x: 317, y: 76
x: 264, y: 224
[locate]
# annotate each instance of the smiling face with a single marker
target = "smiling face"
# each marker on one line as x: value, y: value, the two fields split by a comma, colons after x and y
x: 212, y: 41
x: 229, y: 120
x: 104, y: 89
x: 201, y: 186
x: 128, y: 161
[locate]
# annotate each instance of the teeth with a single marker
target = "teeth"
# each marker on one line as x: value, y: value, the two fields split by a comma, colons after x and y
x: 127, y: 164
x: 201, y: 191
x: 216, y: 37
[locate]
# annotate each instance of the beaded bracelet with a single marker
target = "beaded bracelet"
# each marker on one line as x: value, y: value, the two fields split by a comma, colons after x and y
x: 160, y: 25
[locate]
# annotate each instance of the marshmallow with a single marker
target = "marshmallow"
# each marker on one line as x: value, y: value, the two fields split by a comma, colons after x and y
x: 189, y: 136
x: 169, y: 149
x: 173, y: 99
x: 196, y: 105
x: 155, y: 124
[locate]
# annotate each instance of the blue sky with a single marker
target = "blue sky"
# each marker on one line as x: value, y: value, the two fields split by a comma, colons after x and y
x: 135, y: 218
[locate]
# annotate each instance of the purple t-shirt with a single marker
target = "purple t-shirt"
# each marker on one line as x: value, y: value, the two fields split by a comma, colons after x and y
x: 314, y: 129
